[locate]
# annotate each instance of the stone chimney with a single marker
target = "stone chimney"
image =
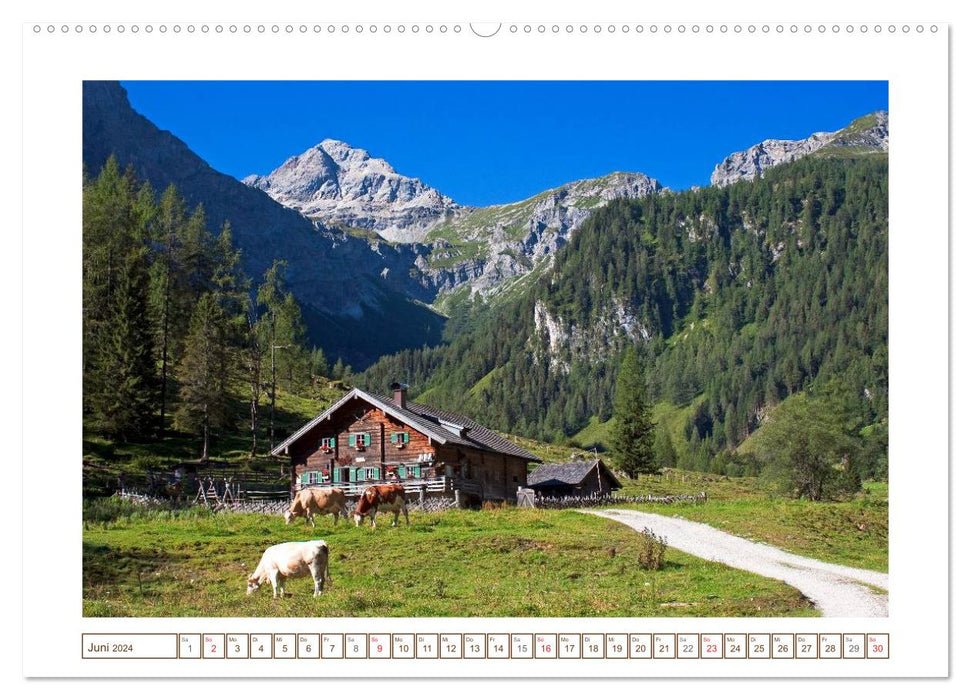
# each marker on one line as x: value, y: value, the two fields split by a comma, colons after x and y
x: 400, y: 394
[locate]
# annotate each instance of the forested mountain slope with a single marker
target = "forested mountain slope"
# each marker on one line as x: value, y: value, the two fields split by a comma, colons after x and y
x: 354, y: 308
x: 736, y: 296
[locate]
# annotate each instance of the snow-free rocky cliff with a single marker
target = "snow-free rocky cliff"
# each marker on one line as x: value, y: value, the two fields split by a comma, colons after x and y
x: 868, y: 134
x: 335, y: 184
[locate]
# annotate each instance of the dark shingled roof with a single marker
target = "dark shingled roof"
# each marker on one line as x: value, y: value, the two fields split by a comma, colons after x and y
x: 570, y: 473
x: 442, y: 426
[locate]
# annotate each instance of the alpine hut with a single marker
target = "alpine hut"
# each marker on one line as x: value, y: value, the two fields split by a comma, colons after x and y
x: 366, y: 438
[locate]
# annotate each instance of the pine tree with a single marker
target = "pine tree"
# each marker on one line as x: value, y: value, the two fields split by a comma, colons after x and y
x: 633, y: 431
x: 665, y: 455
x: 117, y: 366
x: 230, y: 284
x: 166, y: 294
x: 253, y: 358
x: 282, y: 327
x: 318, y: 363
x: 124, y: 393
x: 108, y: 231
x: 231, y: 289
x: 205, y: 372
x: 341, y: 371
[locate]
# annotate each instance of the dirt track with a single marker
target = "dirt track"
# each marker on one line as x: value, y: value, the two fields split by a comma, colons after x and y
x: 837, y: 591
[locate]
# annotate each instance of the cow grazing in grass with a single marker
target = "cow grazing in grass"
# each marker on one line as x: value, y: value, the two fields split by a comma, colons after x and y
x: 383, y: 497
x: 292, y: 560
x: 309, y: 502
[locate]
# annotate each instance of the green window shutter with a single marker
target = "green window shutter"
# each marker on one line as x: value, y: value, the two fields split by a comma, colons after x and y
x: 403, y: 472
x: 404, y: 438
x: 367, y: 439
x: 394, y: 438
x: 352, y: 475
x: 350, y: 439
x: 303, y: 478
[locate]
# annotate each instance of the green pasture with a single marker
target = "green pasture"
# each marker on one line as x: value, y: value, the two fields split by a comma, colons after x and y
x: 504, y: 562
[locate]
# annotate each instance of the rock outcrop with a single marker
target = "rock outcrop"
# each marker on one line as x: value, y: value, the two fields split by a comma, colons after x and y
x: 868, y: 134
x: 506, y: 241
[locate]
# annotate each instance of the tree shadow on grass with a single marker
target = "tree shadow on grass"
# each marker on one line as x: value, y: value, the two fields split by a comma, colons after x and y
x: 137, y: 570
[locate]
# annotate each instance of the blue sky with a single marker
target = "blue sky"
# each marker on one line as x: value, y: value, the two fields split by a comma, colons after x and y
x: 495, y: 142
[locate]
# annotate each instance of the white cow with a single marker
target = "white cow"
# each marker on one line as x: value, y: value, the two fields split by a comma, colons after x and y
x: 292, y: 560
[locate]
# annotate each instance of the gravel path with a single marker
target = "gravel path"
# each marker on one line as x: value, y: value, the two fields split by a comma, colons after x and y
x: 835, y: 590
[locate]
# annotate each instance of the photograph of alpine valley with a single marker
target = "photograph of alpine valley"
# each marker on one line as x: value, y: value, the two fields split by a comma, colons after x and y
x: 485, y: 349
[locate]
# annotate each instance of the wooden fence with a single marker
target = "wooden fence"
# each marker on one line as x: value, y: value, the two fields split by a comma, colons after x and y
x: 594, y: 501
x: 267, y: 507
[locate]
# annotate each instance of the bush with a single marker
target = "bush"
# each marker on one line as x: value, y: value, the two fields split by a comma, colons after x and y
x: 652, y: 551
x: 806, y: 449
x: 145, y: 463
x: 734, y: 464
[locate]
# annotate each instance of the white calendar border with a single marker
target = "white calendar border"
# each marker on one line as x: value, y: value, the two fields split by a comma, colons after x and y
x: 918, y: 90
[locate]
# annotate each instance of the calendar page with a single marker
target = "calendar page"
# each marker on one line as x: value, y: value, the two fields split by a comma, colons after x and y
x: 420, y: 346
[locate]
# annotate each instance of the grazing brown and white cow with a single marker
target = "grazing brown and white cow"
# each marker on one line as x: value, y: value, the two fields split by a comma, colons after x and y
x: 292, y: 560
x: 383, y: 497
x: 309, y: 502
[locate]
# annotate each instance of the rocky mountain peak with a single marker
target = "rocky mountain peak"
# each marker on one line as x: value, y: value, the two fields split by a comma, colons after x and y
x: 868, y: 134
x: 336, y: 183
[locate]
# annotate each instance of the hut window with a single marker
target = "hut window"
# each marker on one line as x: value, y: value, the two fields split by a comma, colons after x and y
x: 359, y: 440
x: 409, y: 472
x: 368, y: 473
x: 308, y: 478
x: 399, y: 439
x: 328, y: 443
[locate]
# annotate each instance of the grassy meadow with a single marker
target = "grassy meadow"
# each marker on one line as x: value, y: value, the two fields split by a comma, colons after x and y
x: 142, y: 561
x: 852, y: 533
x: 502, y: 562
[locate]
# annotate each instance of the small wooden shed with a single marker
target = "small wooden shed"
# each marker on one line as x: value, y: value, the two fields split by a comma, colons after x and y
x: 589, y: 478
